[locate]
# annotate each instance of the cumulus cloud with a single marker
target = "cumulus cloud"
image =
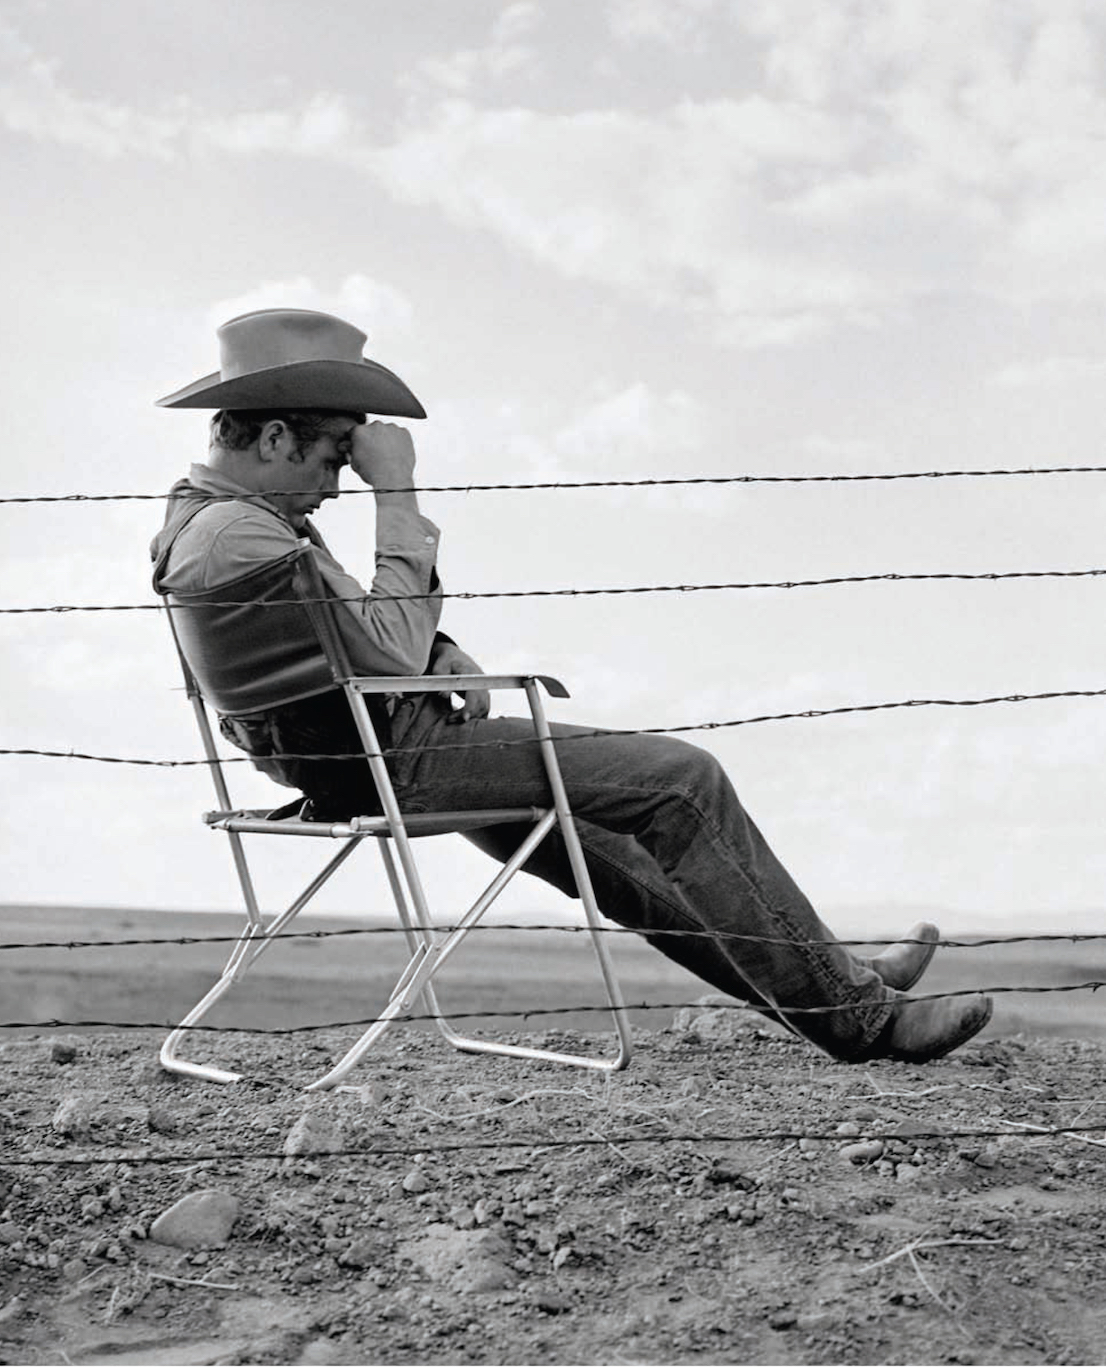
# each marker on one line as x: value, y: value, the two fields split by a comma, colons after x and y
x: 885, y: 153
x: 508, y: 51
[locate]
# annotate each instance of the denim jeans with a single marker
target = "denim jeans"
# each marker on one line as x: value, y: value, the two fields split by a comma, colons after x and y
x: 669, y: 847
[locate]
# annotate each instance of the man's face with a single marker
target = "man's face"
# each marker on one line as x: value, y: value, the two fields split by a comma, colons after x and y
x: 303, y: 479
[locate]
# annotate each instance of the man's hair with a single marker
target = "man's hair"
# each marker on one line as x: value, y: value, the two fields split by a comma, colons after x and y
x: 237, y: 429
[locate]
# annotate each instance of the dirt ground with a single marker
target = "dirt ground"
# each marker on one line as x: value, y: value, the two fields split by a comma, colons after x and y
x: 474, y: 1210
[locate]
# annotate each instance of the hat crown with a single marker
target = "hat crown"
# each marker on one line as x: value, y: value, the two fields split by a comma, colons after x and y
x: 278, y: 337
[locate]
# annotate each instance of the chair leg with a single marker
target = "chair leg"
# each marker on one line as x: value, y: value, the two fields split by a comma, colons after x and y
x: 249, y: 946
x: 431, y: 948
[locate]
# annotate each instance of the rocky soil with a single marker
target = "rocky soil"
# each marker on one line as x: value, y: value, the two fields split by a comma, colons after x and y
x: 475, y: 1210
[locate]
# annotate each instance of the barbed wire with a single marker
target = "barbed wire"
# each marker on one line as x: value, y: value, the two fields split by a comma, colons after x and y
x: 528, y: 1013
x: 884, y: 577
x: 989, y: 942
x: 806, y: 714
x: 253, y: 1154
x: 645, y: 483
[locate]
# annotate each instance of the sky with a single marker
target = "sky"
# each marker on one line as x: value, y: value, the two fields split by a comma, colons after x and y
x: 617, y: 240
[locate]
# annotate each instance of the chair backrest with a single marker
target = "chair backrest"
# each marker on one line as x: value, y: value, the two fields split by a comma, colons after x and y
x: 251, y: 643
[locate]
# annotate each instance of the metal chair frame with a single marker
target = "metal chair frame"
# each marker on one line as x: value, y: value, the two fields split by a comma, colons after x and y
x: 430, y: 946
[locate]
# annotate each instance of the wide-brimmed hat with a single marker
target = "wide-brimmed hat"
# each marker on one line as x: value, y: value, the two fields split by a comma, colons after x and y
x: 296, y: 358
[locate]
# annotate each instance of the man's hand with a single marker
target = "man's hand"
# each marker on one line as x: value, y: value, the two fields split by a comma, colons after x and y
x: 448, y: 658
x: 383, y: 455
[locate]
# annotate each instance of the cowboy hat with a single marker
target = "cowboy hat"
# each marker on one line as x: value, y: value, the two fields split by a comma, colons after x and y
x: 296, y: 358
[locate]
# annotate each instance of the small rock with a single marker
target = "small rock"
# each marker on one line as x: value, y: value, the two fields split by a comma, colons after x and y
x: 782, y: 1319
x: 906, y: 1173
x: 415, y: 1182
x: 77, y: 1114
x: 73, y: 1269
x: 849, y: 1129
x: 513, y: 1215
x: 730, y: 1177
x: 73, y: 1116
x: 62, y: 1051
x: 316, y: 1131
x: 10, y: 1233
x: 561, y: 1257
x: 198, y: 1219
x: 483, y: 1211
x: 462, y: 1217
x: 163, y: 1121
x: 867, y: 1151
x: 364, y: 1252
x: 91, y: 1208
x: 549, y: 1303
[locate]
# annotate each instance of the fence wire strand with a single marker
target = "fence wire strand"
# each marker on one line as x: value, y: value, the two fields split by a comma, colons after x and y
x: 1056, y: 937
x: 884, y: 577
x: 362, y: 1022
x: 405, y: 1150
x: 647, y: 483
x: 805, y: 714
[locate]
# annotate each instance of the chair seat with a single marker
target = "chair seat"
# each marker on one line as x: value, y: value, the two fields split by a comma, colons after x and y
x: 256, y: 821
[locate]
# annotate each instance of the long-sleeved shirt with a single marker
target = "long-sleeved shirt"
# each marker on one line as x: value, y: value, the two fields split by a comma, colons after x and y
x: 384, y: 630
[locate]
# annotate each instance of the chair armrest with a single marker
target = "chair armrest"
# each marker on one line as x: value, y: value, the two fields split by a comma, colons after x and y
x: 454, y: 683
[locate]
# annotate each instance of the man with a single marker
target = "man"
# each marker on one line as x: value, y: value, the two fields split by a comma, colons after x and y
x: 668, y: 844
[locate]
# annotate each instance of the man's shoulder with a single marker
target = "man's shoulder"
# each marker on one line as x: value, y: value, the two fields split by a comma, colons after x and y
x: 225, y: 539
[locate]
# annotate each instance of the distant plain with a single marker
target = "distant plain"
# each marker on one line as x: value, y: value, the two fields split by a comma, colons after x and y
x: 310, y: 981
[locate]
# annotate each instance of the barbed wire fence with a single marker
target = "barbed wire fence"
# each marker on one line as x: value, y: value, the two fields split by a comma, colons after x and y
x: 763, y: 1136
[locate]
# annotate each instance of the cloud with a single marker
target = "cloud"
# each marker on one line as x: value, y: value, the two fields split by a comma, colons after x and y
x: 669, y: 23
x: 1052, y: 370
x: 508, y: 52
x: 879, y: 158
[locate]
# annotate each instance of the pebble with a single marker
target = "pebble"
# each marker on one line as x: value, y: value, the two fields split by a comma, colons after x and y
x: 198, y: 1219
x: 163, y: 1121
x: 10, y: 1233
x: 62, y: 1051
x: 549, y: 1303
x: 415, y: 1182
x: 782, y: 1319
x: 849, y: 1129
x: 865, y: 1152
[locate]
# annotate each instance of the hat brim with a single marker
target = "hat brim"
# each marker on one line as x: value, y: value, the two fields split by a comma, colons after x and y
x: 344, y: 386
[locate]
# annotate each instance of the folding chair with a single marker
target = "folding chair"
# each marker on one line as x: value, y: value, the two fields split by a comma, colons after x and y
x: 220, y: 637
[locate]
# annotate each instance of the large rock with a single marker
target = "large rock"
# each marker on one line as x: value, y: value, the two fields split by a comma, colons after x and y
x: 464, y: 1260
x: 718, y: 1020
x: 198, y: 1220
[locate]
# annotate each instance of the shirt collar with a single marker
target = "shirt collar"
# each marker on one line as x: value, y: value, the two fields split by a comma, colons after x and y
x: 216, y: 482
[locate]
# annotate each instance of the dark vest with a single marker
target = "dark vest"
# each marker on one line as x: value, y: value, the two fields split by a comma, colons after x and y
x: 249, y: 644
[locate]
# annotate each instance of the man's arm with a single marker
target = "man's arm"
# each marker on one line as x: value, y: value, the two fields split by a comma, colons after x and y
x: 390, y: 629
x: 447, y: 657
